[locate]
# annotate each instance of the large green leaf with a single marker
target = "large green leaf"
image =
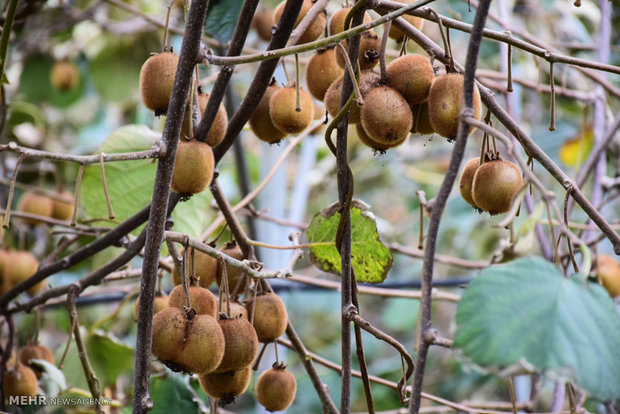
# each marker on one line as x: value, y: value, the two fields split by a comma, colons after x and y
x: 108, y: 356
x: 370, y: 258
x: 222, y: 17
x: 170, y: 394
x: 526, y: 312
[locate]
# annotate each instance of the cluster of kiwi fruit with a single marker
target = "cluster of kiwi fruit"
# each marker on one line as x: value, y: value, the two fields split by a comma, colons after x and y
x: 20, y: 378
x: 17, y: 266
x: 59, y: 207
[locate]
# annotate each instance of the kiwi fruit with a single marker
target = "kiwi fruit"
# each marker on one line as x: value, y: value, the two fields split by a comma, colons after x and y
x: 316, y: 28
x: 202, y: 300
x: 193, y: 167
x: 416, y: 22
x: 168, y: 333
x: 608, y: 271
x: 368, y: 80
x: 241, y: 344
x: 260, y: 121
x: 220, y: 123
x: 385, y: 115
x: 322, y: 70
x: 205, y: 269
x: 160, y: 303
x: 237, y: 310
x: 263, y: 22
x: 19, y: 266
x: 283, y: 111
x: 35, y: 351
x: 4, y: 257
x: 234, y: 274
x: 421, y: 121
x: 276, y: 389
x: 225, y: 386
x: 64, y: 76
x: 336, y: 23
x: 63, y: 210
x: 269, y: 313
x: 368, y: 54
x: 494, y: 185
x: 204, y: 345
x: 412, y: 76
x: 19, y: 380
x: 467, y: 179
x: 34, y: 203
x: 156, y: 81
x: 444, y: 104
x: 380, y: 147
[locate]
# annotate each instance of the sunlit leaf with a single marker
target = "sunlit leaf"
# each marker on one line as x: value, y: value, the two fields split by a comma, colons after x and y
x: 108, y: 356
x: 575, y: 151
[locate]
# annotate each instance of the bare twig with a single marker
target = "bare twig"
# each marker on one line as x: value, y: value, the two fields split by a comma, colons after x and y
x: 80, y: 159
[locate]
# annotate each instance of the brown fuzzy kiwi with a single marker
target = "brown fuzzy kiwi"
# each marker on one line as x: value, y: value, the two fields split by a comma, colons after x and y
x: 205, y: 269
x: 283, y: 112
x: 220, y: 123
x: 234, y: 273
x: 421, y: 121
x: 416, y: 22
x: 260, y: 121
x: 336, y: 23
x: 608, y: 271
x: 19, y: 380
x: 368, y: 55
x: 276, y: 389
x: 168, y: 332
x: 241, y: 344
x: 237, y: 310
x: 156, y: 81
x: 63, y: 210
x: 38, y: 204
x: 64, y: 76
x: 316, y: 28
x: 412, y: 76
x: 269, y: 314
x: 444, y: 104
x: 204, y: 345
x: 193, y: 167
x: 19, y: 266
x: 494, y: 186
x: 4, y: 258
x: 368, y: 80
x: 467, y: 179
x: 225, y: 386
x: 160, y: 303
x: 35, y: 351
x: 263, y: 22
x: 380, y: 147
x: 386, y: 116
x: 202, y: 300
x: 322, y: 70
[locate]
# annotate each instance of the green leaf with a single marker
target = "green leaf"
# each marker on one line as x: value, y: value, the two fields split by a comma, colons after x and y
x: 526, y: 312
x: 170, y: 394
x: 50, y: 369
x: 370, y: 258
x: 222, y: 17
x: 108, y: 356
x: 194, y: 215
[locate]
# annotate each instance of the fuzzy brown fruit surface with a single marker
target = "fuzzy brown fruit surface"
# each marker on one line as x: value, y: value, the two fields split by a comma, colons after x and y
x: 4, y: 283
x: 263, y: 22
x: 168, y: 332
x: 276, y: 389
x: 467, y: 180
x: 416, y: 22
x: 156, y: 81
x: 234, y: 273
x: 34, y: 203
x: 368, y: 55
x: 193, y: 167
x: 220, y: 123
x: 270, y: 318
x: 368, y: 80
x: 260, y: 121
x: 322, y: 70
x: 444, y: 104
x: 494, y: 186
x: 377, y: 146
x: 28, y: 352
x: 63, y: 210
x: 412, y: 76
x: 421, y: 120
x: 160, y: 303
x: 202, y: 300
x: 20, y: 265
x: 225, y: 386
x: 64, y: 76
x: 283, y: 112
x: 336, y: 23
x: 316, y: 28
x: 241, y: 344
x: 385, y: 116
x: 19, y: 380
x: 608, y: 271
x: 205, y: 269
x: 204, y: 345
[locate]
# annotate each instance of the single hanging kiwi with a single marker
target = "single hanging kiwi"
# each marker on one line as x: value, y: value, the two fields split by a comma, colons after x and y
x: 20, y: 265
x: 368, y: 54
x: 35, y: 203
x: 205, y: 269
x: 495, y: 184
x: 168, y: 333
x: 412, y: 76
x: 415, y: 21
x: 386, y: 116
x: 336, y: 23
x: 63, y: 210
x: 316, y: 28
x: 263, y: 22
x: 161, y: 303
x: 193, y: 167
x: 608, y: 271
x: 220, y: 123
x: 241, y: 344
x: 270, y: 318
x: 204, y: 345
x: 283, y: 112
x: 467, y: 179
x: 276, y: 388
x: 156, y: 81
x: 19, y: 380
x: 202, y: 300
x: 368, y: 80
x: 322, y: 70
x: 35, y: 351
x: 260, y: 121
x: 225, y: 386
x: 64, y: 76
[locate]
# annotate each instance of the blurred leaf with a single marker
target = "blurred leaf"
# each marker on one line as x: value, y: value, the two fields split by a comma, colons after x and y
x: 194, y: 215
x: 400, y: 314
x: 52, y: 371
x: 171, y: 395
x: 222, y: 17
x: 526, y: 312
x: 370, y: 258
x: 108, y: 356
x: 575, y: 151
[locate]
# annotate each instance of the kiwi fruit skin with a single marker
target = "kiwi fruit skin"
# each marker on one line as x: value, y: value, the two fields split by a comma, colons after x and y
x: 415, y: 21
x: 467, y: 180
x: 193, y: 167
x: 494, y: 185
x: 322, y: 70
x: 4, y: 283
x: 336, y: 23
x: 368, y: 54
x: 63, y: 210
x: 32, y: 351
x: 283, y: 113
x: 386, y: 116
x: 412, y: 76
x: 168, y: 332
x: 202, y: 300
x: 20, y: 265
x: 276, y: 389
x: 608, y: 271
x: 156, y: 81
x: 368, y: 80
x: 218, y: 128
x: 34, y: 203
x: 421, y: 121
x: 263, y: 22
x: 205, y: 269
x: 260, y: 121
x: 241, y: 344
x: 204, y: 345
x: 316, y: 28
x: 234, y: 274
x: 270, y: 318
x: 376, y: 146
x: 160, y: 303
x: 237, y: 310
x: 444, y: 104
x: 19, y: 380
x: 64, y: 76
x: 225, y: 386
